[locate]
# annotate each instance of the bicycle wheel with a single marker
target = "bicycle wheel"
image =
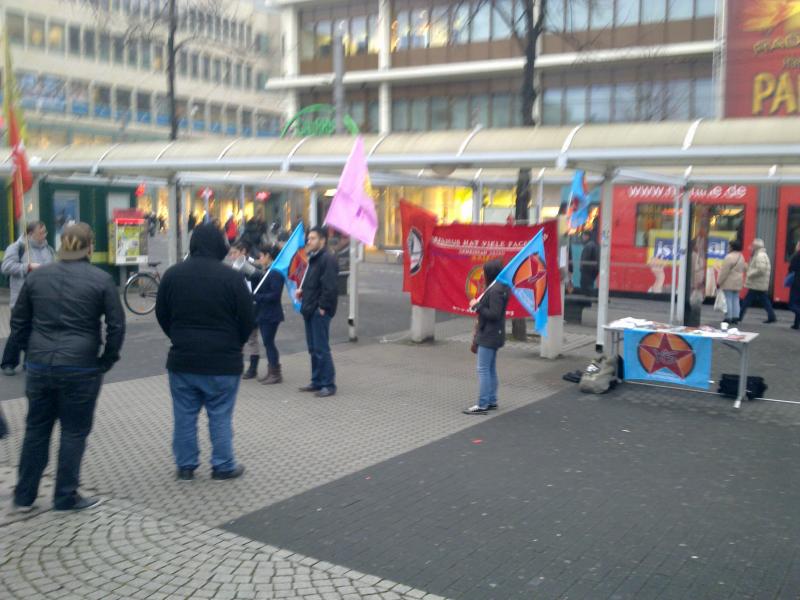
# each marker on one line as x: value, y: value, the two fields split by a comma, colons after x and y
x: 140, y: 293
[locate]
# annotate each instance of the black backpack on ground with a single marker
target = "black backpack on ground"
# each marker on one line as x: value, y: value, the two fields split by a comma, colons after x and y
x: 729, y: 386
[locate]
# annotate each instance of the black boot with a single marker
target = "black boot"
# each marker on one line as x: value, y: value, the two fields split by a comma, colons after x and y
x: 253, y: 370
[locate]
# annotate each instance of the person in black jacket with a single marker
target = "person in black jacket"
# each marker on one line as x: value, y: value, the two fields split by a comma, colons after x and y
x: 590, y: 263
x: 57, y: 319
x: 319, y: 294
x: 206, y: 311
x: 269, y: 314
x: 490, y: 336
x: 794, y: 291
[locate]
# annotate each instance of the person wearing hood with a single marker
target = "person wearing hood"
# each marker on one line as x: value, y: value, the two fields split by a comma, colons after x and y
x: 757, y: 281
x: 206, y: 310
x: 490, y: 336
x: 22, y: 258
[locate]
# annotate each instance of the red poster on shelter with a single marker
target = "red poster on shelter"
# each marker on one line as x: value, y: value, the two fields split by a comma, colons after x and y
x: 458, y: 253
x: 763, y: 58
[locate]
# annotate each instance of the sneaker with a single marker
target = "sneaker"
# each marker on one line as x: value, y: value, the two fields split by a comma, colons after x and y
x: 9, y: 371
x: 308, y: 388
x: 185, y: 474
x: 223, y: 475
x: 81, y: 503
x: 492, y: 407
x: 326, y: 392
x: 475, y: 410
x: 770, y: 321
x: 21, y: 509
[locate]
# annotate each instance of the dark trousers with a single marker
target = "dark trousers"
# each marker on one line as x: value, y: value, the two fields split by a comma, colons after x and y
x: 323, y: 373
x: 69, y: 398
x: 268, y: 332
x: 11, y: 353
x: 751, y: 297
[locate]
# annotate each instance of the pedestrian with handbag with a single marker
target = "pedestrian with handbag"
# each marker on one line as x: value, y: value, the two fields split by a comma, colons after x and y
x: 490, y: 336
x: 731, y: 280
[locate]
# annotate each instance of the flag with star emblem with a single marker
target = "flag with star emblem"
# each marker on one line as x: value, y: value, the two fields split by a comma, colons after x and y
x: 21, y: 177
x: 658, y: 356
x: 526, y: 275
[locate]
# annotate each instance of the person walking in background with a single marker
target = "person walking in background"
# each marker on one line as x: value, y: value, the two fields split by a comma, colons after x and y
x: 490, y: 336
x: 231, y: 229
x: 206, y: 310
x: 794, y: 290
x: 58, y: 320
x: 730, y: 280
x: 319, y: 295
x: 22, y: 258
x: 269, y: 314
x: 590, y: 263
x: 757, y: 281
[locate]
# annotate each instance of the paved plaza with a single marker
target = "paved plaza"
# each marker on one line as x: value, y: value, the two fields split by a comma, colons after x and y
x: 387, y: 491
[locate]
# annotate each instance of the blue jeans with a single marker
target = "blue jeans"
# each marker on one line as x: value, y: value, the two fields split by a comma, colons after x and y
x: 268, y: 332
x: 323, y: 373
x: 190, y: 393
x: 732, y: 299
x: 752, y: 296
x: 54, y: 395
x: 487, y: 376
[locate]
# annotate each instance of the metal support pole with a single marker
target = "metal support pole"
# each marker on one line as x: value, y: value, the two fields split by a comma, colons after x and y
x: 606, y: 216
x: 338, y: 76
x: 684, y: 255
x: 313, y: 202
x: 673, y: 278
x: 352, y: 290
x: 540, y: 198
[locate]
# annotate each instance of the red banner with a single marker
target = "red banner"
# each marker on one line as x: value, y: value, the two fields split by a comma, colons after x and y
x: 457, y: 254
x: 418, y: 226
x: 763, y: 58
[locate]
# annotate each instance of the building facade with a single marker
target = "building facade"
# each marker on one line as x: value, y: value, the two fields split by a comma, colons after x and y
x: 95, y: 71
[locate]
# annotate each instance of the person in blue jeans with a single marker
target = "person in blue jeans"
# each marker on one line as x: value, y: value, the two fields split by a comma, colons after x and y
x: 320, y: 295
x: 269, y: 314
x: 206, y: 310
x: 490, y: 336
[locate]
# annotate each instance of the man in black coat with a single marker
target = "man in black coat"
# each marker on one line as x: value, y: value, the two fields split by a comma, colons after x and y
x: 57, y: 319
x: 206, y: 310
x: 590, y: 263
x: 319, y: 294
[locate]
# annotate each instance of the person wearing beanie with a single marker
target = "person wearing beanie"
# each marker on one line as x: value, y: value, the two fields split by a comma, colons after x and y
x: 206, y: 310
x: 58, y: 318
x: 757, y: 281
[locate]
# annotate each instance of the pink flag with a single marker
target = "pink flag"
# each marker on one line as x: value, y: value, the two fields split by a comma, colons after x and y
x: 353, y: 210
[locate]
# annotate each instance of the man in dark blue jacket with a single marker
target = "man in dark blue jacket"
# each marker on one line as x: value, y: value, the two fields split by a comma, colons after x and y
x: 206, y: 311
x: 319, y: 294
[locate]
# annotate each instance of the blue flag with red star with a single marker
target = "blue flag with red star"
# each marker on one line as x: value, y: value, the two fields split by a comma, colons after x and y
x: 292, y: 262
x: 665, y: 357
x: 578, y: 207
x: 526, y: 275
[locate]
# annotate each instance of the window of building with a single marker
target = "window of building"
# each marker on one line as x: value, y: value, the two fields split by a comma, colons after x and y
x: 577, y: 16
x: 75, y: 40
x: 625, y: 101
x: 575, y: 105
x: 226, y: 72
x: 242, y: 39
x: 400, y: 115
x: 551, y: 106
x: 248, y: 30
x: 357, y: 111
x: 459, y: 114
x: 89, y: 41
x: 79, y: 97
x: 35, y: 32
x: 704, y: 106
x: 307, y: 39
x: 55, y: 37
x: 123, y: 100
x: 133, y: 54
x: 480, y: 110
x: 502, y: 19
x: 226, y: 30
x: 182, y: 112
x: 324, y: 38
x: 162, y: 110
x: 501, y: 110
x: 420, y: 28
x: 440, y: 113
x: 600, y: 104
x: 215, y: 118
x: 705, y: 8
x: 654, y: 11
x: 680, y: 10
x: 147, y: 55
x: 248, y: 77
x: 602, y: 14
x: 194, y: 60
x: 459, y: 28
x: 401, y: 31
x: 206, y: 68
x: 104, y: 47
x: 144, y: 112
x: 197, y: 113
x: 231, y: 121
x: 480, y: 27
x: 15, y: 28
x: 627, y: 13
x: 119, y: 50
x: 217, y: 27
x: 356, y: 41
x: 373, y: 41
x: 102, y: 101
x: 237, y: 75
x: 183, y: 63
x: 373, y: 115
x: 440, y: 24
x: 261, y: 81
x: 247, y: 123
x: 650, y: 99
x: 679, y: 99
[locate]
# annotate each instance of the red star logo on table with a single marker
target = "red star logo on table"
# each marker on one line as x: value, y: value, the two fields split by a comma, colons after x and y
x: 532, y: 275
x: 666, y: 351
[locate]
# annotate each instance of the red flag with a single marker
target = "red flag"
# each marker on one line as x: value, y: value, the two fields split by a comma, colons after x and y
x: 22, y: 180
x: 418, y: 225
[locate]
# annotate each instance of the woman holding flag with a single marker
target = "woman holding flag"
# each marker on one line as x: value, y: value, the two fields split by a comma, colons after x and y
x: 490, y: 336
x: 269, y: 313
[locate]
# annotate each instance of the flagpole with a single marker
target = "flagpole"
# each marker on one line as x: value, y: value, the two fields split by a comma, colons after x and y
x: 263, y: 279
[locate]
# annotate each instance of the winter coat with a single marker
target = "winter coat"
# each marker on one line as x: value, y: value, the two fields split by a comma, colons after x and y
x: 57, y: 317
x: 268, y: 299
x: 758, y: 271
x: 321, y: 286
x: 205, y: 309
x: 730, y: 275
x: 491, y: 332
x: 15, y: 263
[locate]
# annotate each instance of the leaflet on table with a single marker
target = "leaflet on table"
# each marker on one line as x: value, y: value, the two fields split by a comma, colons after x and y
x: 702, y: 331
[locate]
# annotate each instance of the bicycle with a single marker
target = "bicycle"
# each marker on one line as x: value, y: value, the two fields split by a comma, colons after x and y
x: 141, y: 290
